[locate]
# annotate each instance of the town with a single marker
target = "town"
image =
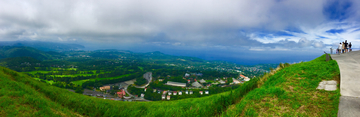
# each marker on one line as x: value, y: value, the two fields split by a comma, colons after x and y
x: 128, y: 91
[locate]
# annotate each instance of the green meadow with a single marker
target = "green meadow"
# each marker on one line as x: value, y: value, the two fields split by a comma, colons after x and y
x: 79, y: 82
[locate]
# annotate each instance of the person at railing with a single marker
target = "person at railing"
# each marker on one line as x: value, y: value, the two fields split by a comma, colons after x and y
x: 339, y: 48
x: 346, y: 46
x: 343, y: 47
x: 350, y: 47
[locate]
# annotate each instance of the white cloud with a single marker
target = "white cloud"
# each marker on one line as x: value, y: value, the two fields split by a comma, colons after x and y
x: 201, y: 23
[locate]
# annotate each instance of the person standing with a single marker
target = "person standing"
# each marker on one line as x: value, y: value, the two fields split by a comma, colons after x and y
x: 346, y: 46
x: 339, y: 48
x: 343, y: 47
x: 350, y: 46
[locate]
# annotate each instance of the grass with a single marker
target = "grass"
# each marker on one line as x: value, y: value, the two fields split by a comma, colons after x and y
x: 292, y: 92
x: 79, y: 82
x: 47, y: 81
x: 211, y: 81
x: 20, y: 99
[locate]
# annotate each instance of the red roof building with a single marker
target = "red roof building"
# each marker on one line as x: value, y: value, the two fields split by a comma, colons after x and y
x: 121, y: 93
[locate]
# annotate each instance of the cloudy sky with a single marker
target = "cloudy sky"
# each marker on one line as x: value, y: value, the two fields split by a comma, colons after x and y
x: 241, y: 31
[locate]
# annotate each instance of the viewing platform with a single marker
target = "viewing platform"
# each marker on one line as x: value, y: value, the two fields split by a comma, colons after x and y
x: 349, y: 65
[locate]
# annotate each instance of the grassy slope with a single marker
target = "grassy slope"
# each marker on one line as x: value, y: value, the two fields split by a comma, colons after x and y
x: 20, y: 99
x: 292, y: 92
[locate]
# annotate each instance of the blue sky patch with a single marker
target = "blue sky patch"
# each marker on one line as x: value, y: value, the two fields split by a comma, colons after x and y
x: 337, y: 9
x: 335, y: 31
x: 282, y: 33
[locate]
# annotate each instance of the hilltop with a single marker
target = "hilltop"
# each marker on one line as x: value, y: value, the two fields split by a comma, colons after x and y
x: 289, y: 91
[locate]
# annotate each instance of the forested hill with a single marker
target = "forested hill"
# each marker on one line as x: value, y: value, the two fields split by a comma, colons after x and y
x: 43, y: 46
x: 22, y: 51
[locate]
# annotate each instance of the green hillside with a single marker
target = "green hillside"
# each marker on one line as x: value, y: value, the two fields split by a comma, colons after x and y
x: 21, y: 51
x: 292, y: 92
x: 290, y: 89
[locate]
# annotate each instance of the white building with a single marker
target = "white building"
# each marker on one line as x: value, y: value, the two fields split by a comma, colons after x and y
x: 221, y: 81
x: 196, y: 84
x: 202, y: 81
x: 177, y: 84
x: 236, y: 81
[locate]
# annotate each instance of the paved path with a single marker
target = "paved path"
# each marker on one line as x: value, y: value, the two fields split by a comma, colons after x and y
x: 148, y: 77
x: 349, y: 65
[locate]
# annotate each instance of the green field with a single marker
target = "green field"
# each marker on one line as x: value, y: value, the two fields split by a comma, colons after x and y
x: 79, y: 82
x: 47, y: 81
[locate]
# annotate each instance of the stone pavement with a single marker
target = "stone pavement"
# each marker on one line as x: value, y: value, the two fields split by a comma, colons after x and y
x: 349, y: 65
x: 328, y: 85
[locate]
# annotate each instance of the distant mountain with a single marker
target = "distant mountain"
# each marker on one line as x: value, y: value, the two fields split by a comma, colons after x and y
x: 21, y: 51
x: 44, y: 46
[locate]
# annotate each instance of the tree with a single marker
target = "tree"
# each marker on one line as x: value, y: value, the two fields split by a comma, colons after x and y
x: 79, y: 90
x: 140, y: 81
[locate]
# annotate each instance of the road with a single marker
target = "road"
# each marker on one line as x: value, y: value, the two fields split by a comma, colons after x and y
x: 148, y: 77
x: 142, y: 99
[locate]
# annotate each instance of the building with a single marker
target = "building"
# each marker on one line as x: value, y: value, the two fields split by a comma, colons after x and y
x: 174, y: 93
x: 191, y: 92
x: 180, y: 92
x: 221, y: 81
x: 121, y: 93
x: 142, y: 95
x: 202, y: 81
x: 196, y: 84
x: 206, y: 92
x: 104, y: 88
x: 145, y: 89
x: 187, y: 75
x: 154, y: 90
x: 169, y: 93
x: 186, y: 92
x: 168, y: 97
x: 236, y: 81
x: 177, y: 84
x: 246, y: 79
x: 163, y: 97
x: 161, y: 79
x: 201, y: 92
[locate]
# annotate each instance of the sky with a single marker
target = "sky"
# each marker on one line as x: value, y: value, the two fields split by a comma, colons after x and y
x: 240, y: 31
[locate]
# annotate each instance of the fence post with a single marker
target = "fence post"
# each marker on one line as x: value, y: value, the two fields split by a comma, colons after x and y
x: 327, y: 56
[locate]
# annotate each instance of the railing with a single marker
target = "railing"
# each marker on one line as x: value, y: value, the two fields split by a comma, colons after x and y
x: 335, y: 49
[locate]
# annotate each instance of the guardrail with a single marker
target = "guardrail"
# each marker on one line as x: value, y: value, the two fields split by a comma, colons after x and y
x: 334, y: 50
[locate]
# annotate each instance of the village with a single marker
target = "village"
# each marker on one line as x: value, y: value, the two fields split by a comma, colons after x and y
x: 128, y: 91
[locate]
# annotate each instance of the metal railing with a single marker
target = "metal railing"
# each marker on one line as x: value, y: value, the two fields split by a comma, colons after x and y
x: 334, y: 50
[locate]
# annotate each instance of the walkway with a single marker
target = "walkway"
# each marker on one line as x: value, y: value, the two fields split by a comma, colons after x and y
x: 349, y: 65
x: 148, y: 77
